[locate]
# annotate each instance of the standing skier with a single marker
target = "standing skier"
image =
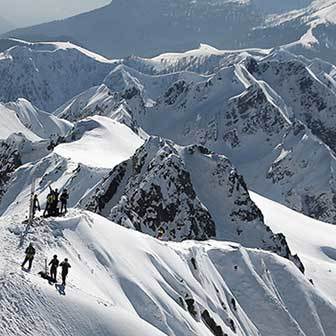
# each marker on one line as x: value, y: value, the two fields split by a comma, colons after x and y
x: 65, y: 270
x: 48, y: 208
x: 64, y: 201
x: 53, y: 269
x: 54, y: 204
x: 30, y: 253
x: 36, y: 205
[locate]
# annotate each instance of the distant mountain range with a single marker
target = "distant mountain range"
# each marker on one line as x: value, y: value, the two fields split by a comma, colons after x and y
x: 146, y: 28
x: 199, y: 151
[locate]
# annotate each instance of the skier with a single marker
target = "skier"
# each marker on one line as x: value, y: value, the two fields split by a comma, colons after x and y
x: 65, y: 269
x: 36, y: 205
x: 64, y: 200
x: 53, y: 198
x: 54, y: 204
x: 48, y: 208
x: 53, y: 269
x: 30, y: 253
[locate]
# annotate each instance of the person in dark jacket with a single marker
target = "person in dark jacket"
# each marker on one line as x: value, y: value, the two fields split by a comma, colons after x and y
x: 65, y: 270
x: 30, y: 253
x: 54, y: 204
x: 36, y: 205
x: 48, y: 208
x: 53, y: 269
x: 64, y: 201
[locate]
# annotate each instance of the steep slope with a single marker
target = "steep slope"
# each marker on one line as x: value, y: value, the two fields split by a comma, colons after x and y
x: 209, y: 288
x: 27, y: 134
x: 275, y: 104
x: 48, y: 74
x: 89, y: 151
x: 42, y: 124
x: 183, y: 193
x: 314, y: 241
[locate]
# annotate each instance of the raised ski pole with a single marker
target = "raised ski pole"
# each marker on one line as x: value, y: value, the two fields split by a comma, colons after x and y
x: 31, y: 204
x: 31, y: 213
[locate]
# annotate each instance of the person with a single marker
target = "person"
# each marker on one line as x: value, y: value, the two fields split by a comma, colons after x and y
x: 54, y: 204
x: 30, y: 253
x: 64, y: 201
x: 53, y: 269
x: 65, y: 269
x: 48, y: 208
x: 36, y: 205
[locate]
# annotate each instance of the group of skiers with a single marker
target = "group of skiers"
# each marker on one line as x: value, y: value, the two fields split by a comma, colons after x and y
x: 53, y: 199
x: 54, y: 264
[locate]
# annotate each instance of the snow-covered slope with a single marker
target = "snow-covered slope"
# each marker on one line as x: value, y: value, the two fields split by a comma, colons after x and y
x: 160, y: 191
x: 279, y: 104
x: 123, y: 282
x: 48, y: 74
x: 42, y: 124
x: 93, y: 147
x: 101, y: 143
x: 314, y: 241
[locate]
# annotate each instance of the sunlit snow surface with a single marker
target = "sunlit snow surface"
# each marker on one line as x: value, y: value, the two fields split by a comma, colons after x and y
x: 105, y: 146
x: 314, y: 241
x: 121, y: 281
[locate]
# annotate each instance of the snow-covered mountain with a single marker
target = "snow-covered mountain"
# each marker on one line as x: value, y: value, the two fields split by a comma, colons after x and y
x: 123, y: 282
x: 159, y: 189
x: 306, y: 26
x: 171, y: 146
x: 48, y: 74
x: 272, y: 101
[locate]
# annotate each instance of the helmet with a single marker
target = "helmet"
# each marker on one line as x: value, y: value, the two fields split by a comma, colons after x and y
x: 66, y: 259
x: 55, y: 256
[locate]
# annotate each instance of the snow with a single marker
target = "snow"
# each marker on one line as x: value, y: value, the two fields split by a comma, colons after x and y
x: 314, y: 241
x: 123, y: 282
x: 10, y: 123
x: 43, y: 124
x: 105, y: 144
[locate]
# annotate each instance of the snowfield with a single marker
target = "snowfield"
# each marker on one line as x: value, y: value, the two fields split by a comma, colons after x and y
x: 314, y: 241
x: 160, y: 156
x: 123, y: 282
x: 105, y: 144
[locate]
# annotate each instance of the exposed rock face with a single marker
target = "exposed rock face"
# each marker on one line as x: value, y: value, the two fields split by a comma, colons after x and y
x: 153, y: 192
x: 9, y: 161
x: 179, y: 193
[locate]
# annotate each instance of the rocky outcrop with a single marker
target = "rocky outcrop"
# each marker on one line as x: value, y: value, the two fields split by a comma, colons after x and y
x: 179, y: 193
